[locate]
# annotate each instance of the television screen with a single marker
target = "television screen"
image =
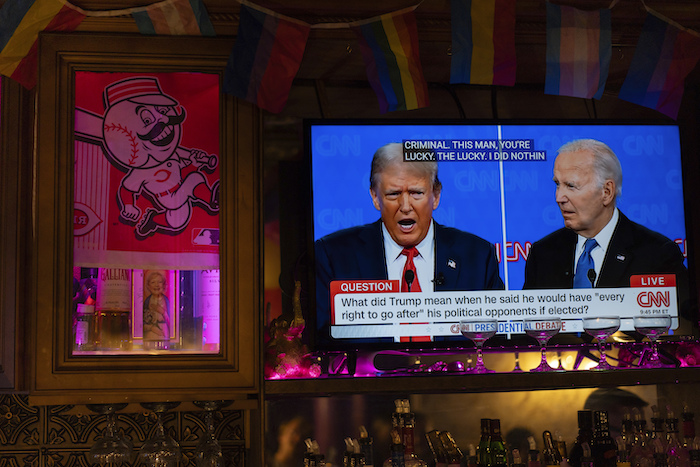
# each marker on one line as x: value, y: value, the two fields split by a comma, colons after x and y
x: 499, y: 195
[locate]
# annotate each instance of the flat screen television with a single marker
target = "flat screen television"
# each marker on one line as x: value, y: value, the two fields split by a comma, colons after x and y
x: 497, y: 184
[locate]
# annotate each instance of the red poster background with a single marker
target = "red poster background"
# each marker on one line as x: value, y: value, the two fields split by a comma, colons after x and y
x: 199, y: 95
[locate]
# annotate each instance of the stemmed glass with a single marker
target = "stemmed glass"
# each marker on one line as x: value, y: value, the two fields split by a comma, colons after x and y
x: 479, y: 331
x: 542, y: 329
x: 208, y: 452
x: 653, y: 326
x: 161, y: 450
x: 112, y: 448
x: 601, y: 328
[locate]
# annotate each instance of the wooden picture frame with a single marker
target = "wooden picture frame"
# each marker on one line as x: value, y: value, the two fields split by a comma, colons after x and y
x: 59, y: 376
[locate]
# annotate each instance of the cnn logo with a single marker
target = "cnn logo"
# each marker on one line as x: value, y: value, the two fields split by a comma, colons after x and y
x: 654, y: 299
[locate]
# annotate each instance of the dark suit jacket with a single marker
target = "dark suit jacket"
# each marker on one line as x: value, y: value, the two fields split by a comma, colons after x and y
x: 634, y: 249
x: 463, y: 261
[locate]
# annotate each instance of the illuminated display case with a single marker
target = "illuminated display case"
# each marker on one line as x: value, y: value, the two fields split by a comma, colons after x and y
x: 146, y: 256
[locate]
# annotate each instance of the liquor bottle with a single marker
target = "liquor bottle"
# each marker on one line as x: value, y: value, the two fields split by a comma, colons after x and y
x: 533, y: 454
x: 113, y: 309
x: 452, y: 451
x: 436, y: 448
x: 366, y: 446
x: 398, y: 450
x: 550, y: 453
x: 84, y: 320
x: 627, y: 433
x: 603, y: 446
x: 471, y: 460
x: 561, y: 445
x: 688, y: 427
x: 657, y: 439
x: 517, y: 458
x: 209, y: 308
x: 499, y: 453
x: 483, y: 449
x: 623, y: 459
x: 585, y: 434
x: 676, y: 454
x: 641, y: 454
x: 347, y: 454
x: 409, y: 424
x: 586, y: 455
x: 358, y: 457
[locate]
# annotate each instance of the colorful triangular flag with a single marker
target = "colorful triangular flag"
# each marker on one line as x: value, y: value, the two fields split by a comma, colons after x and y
x: 483, y: 42
x: 579, y: 48
x: 665, y: 54
x: 175, y: 18
x: 389, y: 45
x: 265, y: 58
x: 21, y: 22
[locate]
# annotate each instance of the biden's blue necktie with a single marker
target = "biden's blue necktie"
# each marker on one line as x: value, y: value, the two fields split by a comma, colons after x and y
x: 582, y: 280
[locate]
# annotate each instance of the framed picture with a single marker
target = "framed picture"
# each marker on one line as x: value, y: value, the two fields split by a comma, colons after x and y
x: 144, y: 165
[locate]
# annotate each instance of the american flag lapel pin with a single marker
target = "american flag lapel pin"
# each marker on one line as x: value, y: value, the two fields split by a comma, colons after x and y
x: 620, y: 258
x: 452, y: 263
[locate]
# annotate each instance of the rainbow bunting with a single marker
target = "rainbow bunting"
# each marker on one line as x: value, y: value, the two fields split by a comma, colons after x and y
x: 579, y: 48
x: 483, y: 42
x: 175, y: 18
x: 21, y: 21
x: 389, y: 46
x: 664, y: 56
x: 265, y: 58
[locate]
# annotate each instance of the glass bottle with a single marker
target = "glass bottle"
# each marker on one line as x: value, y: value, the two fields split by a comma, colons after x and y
x: 623, y: 453
x: 585, y: 434
x: 454, y: 455
x: 657, y: 440
x: 688, y: 427
x: 550, y: 453
x: 603, y: 446
x: 499, y: 453
x: 641, y: 454
x: 533, y: 454
x: 483, y: 449
x: 409, y: 424
x: 436, y: 448
x: 676, y: 454
x: 366, y: 446
x: 398, y: 451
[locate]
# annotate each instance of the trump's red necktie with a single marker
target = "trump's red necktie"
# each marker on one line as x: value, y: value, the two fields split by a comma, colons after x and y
x: 409, y: 276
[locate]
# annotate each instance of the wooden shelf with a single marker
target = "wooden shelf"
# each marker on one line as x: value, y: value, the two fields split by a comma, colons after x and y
x: 448, y: 383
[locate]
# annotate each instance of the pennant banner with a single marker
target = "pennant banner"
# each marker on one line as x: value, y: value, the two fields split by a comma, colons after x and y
x: 21, y: 22
x: 265, y: 58
x: 664, y: 56
x: 389, y: 46
x: 176, y: 18
x: 483, y: 42
x: 579, y: 48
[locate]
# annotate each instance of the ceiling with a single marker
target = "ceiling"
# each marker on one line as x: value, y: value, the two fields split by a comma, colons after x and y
x: 332, y: 54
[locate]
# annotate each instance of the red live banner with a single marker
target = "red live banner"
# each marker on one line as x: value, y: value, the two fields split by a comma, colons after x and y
x: 653, y: 280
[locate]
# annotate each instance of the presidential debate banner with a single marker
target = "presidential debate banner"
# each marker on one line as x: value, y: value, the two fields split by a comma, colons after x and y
x: 497, y: 179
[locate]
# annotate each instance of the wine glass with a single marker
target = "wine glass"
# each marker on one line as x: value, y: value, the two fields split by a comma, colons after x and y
x: 208, y: 452
x: 479, y: 331
x: 112, y: 448
x: 601, y: 327
x: 161, y: 450
x: 542, y: 329
x: 653, y: 326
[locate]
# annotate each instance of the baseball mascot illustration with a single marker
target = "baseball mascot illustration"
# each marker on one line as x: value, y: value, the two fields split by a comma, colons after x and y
x: 141, y: 134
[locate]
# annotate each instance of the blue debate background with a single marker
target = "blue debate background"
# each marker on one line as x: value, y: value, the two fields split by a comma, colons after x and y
x: 474, y: 192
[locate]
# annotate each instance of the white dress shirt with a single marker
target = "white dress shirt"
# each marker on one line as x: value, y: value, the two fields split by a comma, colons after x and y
x: 424, y: 262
